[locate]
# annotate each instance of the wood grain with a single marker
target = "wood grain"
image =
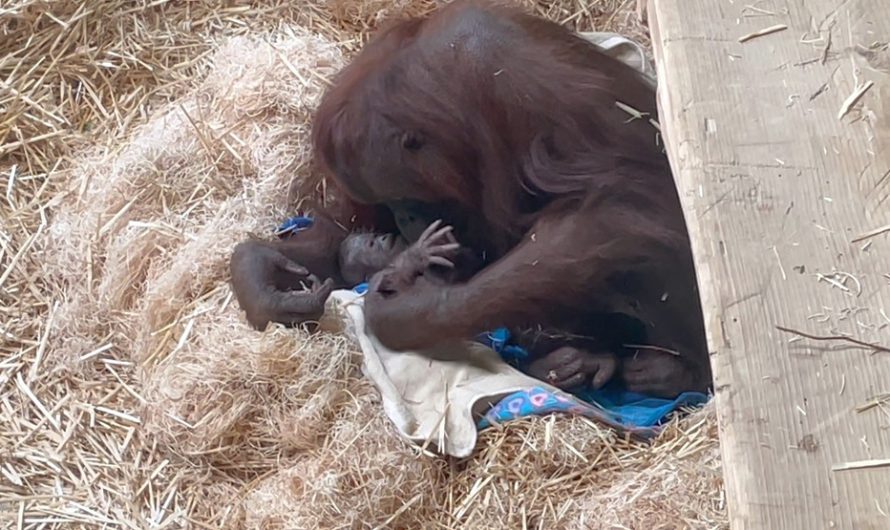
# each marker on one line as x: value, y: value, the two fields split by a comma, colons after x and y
x: 785, y: 204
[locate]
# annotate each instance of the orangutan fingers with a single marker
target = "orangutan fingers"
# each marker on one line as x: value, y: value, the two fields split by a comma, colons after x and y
x: 429, y: 230
x: 442, y: 232
x: 286, y: 264
x: 442, y: 262
x: 575, y: 380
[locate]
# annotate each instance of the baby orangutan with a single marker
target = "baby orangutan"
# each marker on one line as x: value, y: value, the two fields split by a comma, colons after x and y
x: 364, y: 254
x: 392, y: 267
x: 272, y: 285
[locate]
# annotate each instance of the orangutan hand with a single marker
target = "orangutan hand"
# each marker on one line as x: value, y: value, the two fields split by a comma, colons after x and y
x: 657, y: 374
x: 259, y: 273
x: 569, y: 368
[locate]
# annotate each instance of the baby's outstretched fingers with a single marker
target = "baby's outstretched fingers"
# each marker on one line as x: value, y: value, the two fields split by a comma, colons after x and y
x: 440, y: 254
x: 441, y: 233
x: 433, y: 247
x: 442, y: 262
x: 430, y: 230
x: 444, y: 249
x: 434, y: 234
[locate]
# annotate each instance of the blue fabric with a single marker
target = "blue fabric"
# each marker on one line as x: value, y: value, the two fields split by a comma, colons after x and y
x: 293, y: 225
x: 642, y: 417
x: 535, y: 401
x: 623, y: 407
x: 499, y: 341
x: 639, y: 410
x: 613, y: 403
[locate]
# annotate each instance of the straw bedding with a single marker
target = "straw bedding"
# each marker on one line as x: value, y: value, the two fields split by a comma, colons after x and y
x: 139, y: 142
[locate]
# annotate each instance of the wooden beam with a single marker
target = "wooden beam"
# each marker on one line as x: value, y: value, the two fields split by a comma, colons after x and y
x: 776, y: 116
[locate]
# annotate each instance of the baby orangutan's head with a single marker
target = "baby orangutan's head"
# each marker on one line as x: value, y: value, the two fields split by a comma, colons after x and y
x: 364, y: 254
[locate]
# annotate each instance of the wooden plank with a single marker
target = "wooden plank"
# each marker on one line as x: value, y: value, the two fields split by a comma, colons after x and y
x: 779, y: 194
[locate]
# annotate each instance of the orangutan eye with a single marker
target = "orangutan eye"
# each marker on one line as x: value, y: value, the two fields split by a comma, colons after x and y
x: 412, y: 141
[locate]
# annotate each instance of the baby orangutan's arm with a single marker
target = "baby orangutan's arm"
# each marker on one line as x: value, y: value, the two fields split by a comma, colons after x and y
x: 435, y: 247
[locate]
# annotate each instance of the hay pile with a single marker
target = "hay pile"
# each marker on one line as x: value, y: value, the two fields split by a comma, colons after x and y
x: 139, y: 142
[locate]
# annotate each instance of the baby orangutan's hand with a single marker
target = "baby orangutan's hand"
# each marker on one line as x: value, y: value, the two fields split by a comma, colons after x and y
x: 436, y: 246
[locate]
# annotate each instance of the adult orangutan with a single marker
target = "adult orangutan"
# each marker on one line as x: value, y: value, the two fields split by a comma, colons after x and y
x: 508, y: 128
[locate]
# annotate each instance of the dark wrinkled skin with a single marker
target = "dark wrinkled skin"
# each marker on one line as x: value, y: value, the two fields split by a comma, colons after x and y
x: 270, y: 287
x: 570, y: 368
x: 505, y: 127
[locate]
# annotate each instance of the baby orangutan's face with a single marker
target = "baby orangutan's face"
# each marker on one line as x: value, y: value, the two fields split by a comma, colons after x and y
x: 363, y: 255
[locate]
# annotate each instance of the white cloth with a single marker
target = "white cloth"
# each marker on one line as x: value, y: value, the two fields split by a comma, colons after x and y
x: 436, y: 396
